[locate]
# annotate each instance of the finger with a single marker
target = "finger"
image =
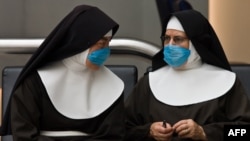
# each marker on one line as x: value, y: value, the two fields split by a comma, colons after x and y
x: 184, y: 133
x: 181, y: 127
x: 179, y: 123
x: 164, y: 137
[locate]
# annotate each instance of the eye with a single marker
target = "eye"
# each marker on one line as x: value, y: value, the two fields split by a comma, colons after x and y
x: 179, y: 39
x: 165, y: 38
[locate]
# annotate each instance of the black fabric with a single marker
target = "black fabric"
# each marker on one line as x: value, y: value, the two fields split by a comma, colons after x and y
x: 243, y: 72
x: 80, y: 29
x: 143, y: 108
x: 203, y: 37
x: 127, y: 73
x: 32, y: 111
x: 166, y: 7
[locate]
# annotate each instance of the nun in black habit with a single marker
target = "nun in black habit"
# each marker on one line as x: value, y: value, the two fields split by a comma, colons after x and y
x: 191, y: 87
x: 62, y: 93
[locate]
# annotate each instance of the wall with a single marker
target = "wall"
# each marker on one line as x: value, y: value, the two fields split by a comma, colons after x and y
x: 231, y: 20
x: 36, y: 18
x: 138, y: 19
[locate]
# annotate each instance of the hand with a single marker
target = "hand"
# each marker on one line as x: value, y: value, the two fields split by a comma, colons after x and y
x: 189, y: 129
x: 159, y: 133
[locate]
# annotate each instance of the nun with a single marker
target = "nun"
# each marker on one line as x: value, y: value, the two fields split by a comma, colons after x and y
x: 191, y: 92
x: 64, y: 92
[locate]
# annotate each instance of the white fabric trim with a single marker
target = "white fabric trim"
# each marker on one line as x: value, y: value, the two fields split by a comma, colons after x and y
x: 184, y: 87
x: 174, y: 23
x: 62, y: 133
x: 194, y: 60
x: 78, y: 92
x: 108, y: 34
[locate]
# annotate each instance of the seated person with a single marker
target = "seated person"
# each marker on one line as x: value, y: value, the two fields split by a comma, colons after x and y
x: 191, y: 87
x: 64, y: 92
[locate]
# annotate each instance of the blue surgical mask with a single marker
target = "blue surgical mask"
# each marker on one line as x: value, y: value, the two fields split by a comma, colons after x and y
x: 175, y: 55
x: 98, y: 57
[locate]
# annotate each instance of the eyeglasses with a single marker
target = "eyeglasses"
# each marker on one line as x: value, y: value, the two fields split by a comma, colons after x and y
x: 104, y: 41
x: 177, y: 39
x: 106, y: 38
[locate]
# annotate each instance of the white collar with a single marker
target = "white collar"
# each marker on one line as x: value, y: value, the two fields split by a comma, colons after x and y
x: 184, y: 87
x: 78, y: 92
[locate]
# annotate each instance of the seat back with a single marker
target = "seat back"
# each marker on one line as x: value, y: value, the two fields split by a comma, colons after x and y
x: 9, y: 76
x: 128, y: 73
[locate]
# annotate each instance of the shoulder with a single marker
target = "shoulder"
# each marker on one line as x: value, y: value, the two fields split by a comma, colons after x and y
x: 142, y: 87
x: 239, y: 87
x: 238, y: 91
x: 31, y: 78
x: 31, y: 82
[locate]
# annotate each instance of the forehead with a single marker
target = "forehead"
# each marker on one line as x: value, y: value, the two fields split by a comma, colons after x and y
x: 175, y: 32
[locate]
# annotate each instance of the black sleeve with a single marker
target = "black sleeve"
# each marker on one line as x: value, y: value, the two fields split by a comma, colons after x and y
x: 112, y: 125
x: 236, y: 112
x: 137, y: 126
x: 25, y: 112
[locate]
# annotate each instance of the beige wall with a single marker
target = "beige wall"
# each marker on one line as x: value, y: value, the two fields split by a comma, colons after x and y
x: 231, y: 21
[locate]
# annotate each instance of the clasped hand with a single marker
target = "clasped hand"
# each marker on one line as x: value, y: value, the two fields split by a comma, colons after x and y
x: 183, y: 129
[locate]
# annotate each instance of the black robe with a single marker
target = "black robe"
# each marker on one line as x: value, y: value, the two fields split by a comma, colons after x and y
x: 32, y: 112
x: 142, y: 109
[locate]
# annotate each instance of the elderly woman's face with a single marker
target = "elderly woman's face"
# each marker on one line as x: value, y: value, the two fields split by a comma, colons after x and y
x: 176, y: 37
x: 102, y: 43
